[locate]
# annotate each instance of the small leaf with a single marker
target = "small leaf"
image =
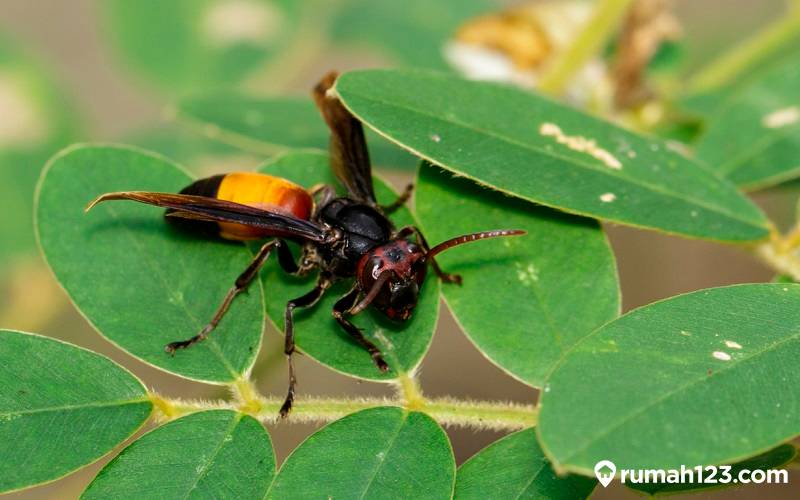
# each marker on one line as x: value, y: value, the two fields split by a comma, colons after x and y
x: 563, y: 265
x: 316, y: 332
x: 194, y: 44
x: 211, y: 454
x: 140, y: 282
x: 377, y: 453
x: 545, y: 152
x: 515, y: 467
x: 264, y: 125
x: 679, y: 382
x: 61, y: 408
x: 772, y: 459
x: 766, y: 113
x: 194, y: 152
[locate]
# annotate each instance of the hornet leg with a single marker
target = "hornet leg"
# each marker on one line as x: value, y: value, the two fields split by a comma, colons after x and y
x: 399, y: 202
x: 306, y: 300
x: 343, y: 306
x: 240, y: 285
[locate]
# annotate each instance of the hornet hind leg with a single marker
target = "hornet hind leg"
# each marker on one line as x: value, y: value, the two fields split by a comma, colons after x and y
x: 240, y: 285
x: 306, y: 300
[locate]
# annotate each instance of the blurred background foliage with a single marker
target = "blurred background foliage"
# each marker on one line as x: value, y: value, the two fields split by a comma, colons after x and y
x: 149, y: 72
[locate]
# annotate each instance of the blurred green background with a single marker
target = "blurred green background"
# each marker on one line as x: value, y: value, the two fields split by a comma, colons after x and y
x: 111, y: 71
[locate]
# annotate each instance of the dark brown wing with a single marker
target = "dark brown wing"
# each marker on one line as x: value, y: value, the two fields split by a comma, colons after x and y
x: 348, y: 148
x: 212, y: 209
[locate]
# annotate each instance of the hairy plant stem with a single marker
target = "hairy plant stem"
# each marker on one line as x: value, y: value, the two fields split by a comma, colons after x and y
x: 479, y: 415
x: 410, y: 392
x: 780, y: 253
x: 606, y: 17
x: 742, y: 56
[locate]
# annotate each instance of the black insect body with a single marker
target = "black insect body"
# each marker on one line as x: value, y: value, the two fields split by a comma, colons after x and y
x: 342, y: 237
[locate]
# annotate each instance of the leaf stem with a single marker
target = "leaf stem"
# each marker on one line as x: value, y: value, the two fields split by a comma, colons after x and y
x: 246, y: 394
x: 605, y: 18
x: 479, y: 415
x: 742, y: 56
x: 410, y: 392
x: 780, y: 253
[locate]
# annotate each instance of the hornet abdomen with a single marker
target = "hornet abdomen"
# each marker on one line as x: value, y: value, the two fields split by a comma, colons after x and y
x: 252, y: 189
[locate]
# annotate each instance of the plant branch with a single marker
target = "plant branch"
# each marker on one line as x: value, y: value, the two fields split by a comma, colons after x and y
x: 605, y: 18
x: 410, y: 392
x: 759, y: 46
x: 479, y: 415
x: 780, y: 253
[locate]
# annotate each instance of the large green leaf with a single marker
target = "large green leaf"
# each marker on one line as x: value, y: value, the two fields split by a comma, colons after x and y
x: 548, y: 153
x: 61, y: 408
x: 190, y: 44
x: 266, y: 126
x: 140, y: 282
x: 703, y: 378
x: 35, y: 123
x: 773, y: 459
x: 194, y: 152
x: 211, y: 454
x: 766, y: 114
x: 376, y: 453
x: 262, y: 125
x: 515, y: 468
x: 563, y: 265
x: 316, y: 332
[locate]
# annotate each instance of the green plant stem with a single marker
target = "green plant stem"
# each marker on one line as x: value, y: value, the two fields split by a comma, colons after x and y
x: 761, y: 45
x: 477, y: 415
x: 782, y: 262
x: 780, y: 252
x: 410, y: 392
x: 605, y: 19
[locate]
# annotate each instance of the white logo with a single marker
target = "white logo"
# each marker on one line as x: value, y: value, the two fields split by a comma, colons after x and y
x: 605, y: 470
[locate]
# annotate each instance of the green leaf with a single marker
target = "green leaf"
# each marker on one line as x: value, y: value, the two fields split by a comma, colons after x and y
x: 681, y: 381
x: 515, y: 467
x: 773, y: 459
x: 140, y: 282
x: 388, y: 27
x: 377, y: 453
x: 194, y: 152
x: 61, y: 408
x: 199, y: 44
x: 767, y: 114
x: 316, y: 332
x: 511, y: 140
x: 563, y: 265
x: 262, y: 125
x: 211, y: 454
x: 267, y: 126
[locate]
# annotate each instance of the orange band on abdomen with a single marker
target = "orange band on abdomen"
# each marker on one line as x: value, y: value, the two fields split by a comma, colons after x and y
x: 262, y: 191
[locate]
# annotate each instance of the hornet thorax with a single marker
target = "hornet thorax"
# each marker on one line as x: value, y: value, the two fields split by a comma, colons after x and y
x: 362, y: 228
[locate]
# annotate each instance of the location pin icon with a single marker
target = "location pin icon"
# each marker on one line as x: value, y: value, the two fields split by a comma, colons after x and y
x: 605, y: 470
